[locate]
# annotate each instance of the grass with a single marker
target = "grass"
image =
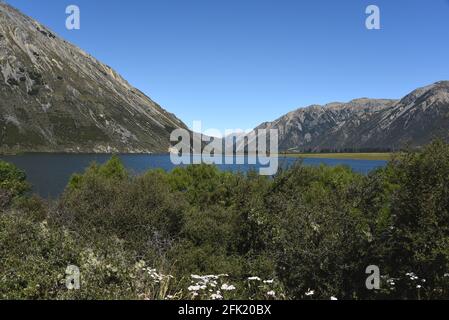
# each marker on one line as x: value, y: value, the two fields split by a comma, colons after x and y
x: 352, y: 156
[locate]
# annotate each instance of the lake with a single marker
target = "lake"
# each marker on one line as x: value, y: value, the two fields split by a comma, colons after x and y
x: 49, y: 173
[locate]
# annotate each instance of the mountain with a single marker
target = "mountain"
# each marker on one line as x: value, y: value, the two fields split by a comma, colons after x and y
x: 54, y: 97
x: 367, y: 124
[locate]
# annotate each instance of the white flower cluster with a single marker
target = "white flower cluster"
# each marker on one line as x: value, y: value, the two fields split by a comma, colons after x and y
x: 268, y: 291
x: 391, y: 282
x: 227, y: 287
x: 216, y: 296
x: 310, y: 293
x: 209, y: 284
x: 155, y: 276
x: 412, y: 276
x: 271, y: 293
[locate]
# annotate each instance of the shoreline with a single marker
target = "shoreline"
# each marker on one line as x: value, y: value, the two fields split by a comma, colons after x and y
x: 344, y: 155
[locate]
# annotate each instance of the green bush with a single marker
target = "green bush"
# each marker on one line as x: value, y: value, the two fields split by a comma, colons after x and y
x: 197, y: 232
x: 105, y: 201
x: 12, y: 179
x: 418, y: 239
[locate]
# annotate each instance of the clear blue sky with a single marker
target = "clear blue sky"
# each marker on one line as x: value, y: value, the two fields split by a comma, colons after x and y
x: 237, y: 63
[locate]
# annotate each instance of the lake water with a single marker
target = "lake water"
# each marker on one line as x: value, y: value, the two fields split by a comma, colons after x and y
x: 49, y: 173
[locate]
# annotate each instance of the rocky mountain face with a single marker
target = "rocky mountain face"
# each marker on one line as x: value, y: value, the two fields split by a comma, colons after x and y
x: 55, y: 97
x: 367, y: 124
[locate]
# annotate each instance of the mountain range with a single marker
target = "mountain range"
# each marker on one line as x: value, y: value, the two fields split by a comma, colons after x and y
x: 54, y: 97
x: 367, y: 124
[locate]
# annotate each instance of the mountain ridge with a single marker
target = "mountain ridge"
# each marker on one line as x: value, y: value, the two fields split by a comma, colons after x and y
x: 55, y: 97
x: 367, y: 124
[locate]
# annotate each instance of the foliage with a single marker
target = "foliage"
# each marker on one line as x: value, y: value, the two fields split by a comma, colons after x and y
x: 12, y: 179
x: 200, y: 233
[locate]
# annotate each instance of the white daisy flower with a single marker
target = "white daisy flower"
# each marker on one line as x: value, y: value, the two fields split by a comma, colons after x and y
x: 310, y: 293
x: 227, y: 287
x: 254, y: 279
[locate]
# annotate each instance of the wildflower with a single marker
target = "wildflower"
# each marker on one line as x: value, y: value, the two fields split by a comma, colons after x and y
x: 254, y: 279
x: 310, y: 293
x: 140, y: 265
x: 334, y: 298
x: 446, y: 275
x: 204, y: 280
x: 216, y: 296
x: 271, y: 293
x: 227, y: 287
x: 194, y: 288
x: 418, y: 286
x: 391, y: 282
x: 157, y: 277
x: 412, y: 276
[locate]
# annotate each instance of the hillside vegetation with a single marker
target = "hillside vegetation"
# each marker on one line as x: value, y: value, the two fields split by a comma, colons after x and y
x: 196, y: 232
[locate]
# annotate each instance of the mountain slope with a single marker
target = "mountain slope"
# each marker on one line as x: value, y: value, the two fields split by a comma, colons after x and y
x: 54, y: 97
x: 367, y: 124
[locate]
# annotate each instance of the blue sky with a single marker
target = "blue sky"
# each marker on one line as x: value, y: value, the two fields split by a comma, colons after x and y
x: 237, y: 63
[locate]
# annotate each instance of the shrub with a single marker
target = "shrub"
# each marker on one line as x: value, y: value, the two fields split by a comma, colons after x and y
x: 309, y: 232
x: 12, y: 179
x: 105, y: 201
x: 418, y: 241
x: 319, y: 231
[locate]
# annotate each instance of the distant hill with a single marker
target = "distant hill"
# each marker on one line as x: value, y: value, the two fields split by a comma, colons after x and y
x: 54, y: 97
x: 367, y: 124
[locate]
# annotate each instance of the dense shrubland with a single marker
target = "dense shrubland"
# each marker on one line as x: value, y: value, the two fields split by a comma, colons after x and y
x: 196, y: 232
